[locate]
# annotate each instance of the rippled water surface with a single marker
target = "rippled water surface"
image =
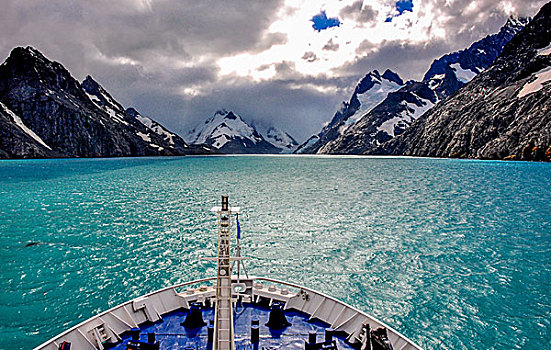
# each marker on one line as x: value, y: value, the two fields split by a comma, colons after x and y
x: 454, y: 254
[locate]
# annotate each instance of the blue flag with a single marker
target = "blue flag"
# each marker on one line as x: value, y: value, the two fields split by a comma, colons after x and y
x: 238, y: 229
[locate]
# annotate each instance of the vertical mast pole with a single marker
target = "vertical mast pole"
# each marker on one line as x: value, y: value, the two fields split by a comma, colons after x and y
x: 223, y: 319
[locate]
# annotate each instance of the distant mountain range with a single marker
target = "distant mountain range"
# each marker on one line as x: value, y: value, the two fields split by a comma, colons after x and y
x: 490, y: 101
x: 227, y: 132
x: 45, y: 112
x: 383, y: 106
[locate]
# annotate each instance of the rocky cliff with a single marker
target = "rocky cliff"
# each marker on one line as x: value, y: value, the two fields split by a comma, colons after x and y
x: 46, y: 113
x: 503, y: 113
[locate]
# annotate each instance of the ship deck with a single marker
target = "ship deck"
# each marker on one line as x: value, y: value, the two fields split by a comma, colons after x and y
x: 171, y: 334
x: 162, y: 312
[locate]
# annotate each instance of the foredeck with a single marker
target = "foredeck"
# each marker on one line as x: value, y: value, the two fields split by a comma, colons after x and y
x: 172, y: 335
x: 163, y: 311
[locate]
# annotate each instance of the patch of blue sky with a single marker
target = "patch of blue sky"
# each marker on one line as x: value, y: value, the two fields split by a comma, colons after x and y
x: 321, y: 22
x: 401, y: 6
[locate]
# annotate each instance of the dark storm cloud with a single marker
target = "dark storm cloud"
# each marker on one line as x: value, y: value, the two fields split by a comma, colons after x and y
x: 297, y: 109
x: 408, y: 60
x: 136, y: 49
x: 131, y: 29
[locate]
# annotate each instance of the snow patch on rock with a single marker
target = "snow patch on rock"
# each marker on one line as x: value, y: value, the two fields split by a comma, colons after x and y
x: 411, y: 112
x: 464, y: 75
x: 542, y: 77
x: 144, y: 137
x: 546, y: 51
x: 372, y: 97
x: 23, y: 127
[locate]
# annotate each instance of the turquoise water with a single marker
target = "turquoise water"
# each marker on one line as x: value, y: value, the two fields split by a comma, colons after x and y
x: 454, y: 254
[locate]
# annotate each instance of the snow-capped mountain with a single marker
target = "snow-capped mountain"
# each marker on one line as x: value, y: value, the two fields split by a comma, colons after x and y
x: 369, y: 92
x: 448, y: 73
x: 281, y: 140
x: 227, y: 132
x: 46, y: 113
x: 394, y: 110
x: 388, y: 119
x: 503, y: 113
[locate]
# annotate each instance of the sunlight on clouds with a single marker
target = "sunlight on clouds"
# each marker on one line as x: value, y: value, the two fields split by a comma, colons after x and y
x: 326, y: 90
x: 305, y: 46
x: 508, y: 7
x: 473, y: 7
x: 115, y: 60
x: 144, y: 5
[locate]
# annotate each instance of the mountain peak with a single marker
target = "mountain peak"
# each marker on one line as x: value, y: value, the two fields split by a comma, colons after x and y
x: 227, y: 132
x: 231, y: 116
x: 391, y: 76
x: 90, y: 81
x: 449, y: 72
x: 368, y: 81
x: 40, y: 100
x: 515, y: 21
x: 99, y: 95
x: 281, y: 139
x: 22, y: 59
x: 27, y: 51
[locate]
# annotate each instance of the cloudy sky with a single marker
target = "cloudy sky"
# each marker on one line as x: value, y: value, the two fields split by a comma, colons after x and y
x: 286, y: 63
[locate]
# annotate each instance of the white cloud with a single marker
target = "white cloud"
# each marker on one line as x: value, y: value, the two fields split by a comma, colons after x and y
x: 421, y: 25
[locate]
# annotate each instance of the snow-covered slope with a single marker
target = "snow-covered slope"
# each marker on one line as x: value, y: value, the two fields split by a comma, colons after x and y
x: 372, y: 90
x: 157, y: 129
x: 19, y: 141
x: 281, y: 139
x: 147, y: 129
x: 369, y: 92
x: 387, y: 120
x: 389, y: 108
x: 227, y: 132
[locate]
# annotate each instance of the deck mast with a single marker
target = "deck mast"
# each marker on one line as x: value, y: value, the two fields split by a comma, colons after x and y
x: 223, y: 318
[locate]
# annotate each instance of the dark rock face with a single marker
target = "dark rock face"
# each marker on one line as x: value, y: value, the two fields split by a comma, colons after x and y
x: 503, y: 113
x: 15, y: 142
x: 74, y: 120
x: 398, y: 108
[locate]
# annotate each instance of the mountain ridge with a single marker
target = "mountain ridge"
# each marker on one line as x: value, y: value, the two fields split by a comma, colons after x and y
x: 399, y: 107
x: 227, y: 132
x: 72, y: 119
x: 503, y: 113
